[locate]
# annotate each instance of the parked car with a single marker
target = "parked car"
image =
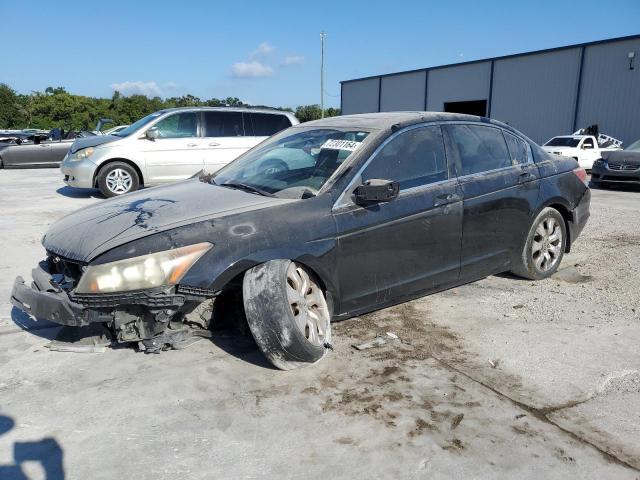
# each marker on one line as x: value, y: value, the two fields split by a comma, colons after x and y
x: 621, y: 167
x: 363, y: 212
x: 584, y: 148
x: 33, y: 150
x: 169, y: 145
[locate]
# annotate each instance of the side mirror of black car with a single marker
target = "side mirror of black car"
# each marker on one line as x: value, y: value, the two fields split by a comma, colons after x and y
x: 375, y: 190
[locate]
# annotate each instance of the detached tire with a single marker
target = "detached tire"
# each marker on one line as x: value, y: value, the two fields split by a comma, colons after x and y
x: 117, y: 178
x: 544, y: 247
x: 287, y: 313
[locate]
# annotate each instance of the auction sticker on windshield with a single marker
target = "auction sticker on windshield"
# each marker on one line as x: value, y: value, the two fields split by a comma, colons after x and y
x: 347, y: 145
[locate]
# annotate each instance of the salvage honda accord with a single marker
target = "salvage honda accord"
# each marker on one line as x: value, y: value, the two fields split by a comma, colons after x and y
x: 323, y: 221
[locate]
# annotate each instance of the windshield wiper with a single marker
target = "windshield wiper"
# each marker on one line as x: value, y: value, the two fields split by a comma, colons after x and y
x: 246, y: 188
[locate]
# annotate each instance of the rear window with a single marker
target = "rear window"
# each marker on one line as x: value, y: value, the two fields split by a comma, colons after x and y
x: 479, y: 148
x: 223, y: 124
x: 562, y: 142
x: 267, y: 124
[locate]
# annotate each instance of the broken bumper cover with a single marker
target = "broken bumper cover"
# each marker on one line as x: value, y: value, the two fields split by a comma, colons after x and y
x: 44, y: 299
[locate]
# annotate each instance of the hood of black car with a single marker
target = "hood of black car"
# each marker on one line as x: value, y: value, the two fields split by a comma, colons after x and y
x: 93, y: 141
x: 91, y: 231
x: 623, y: 157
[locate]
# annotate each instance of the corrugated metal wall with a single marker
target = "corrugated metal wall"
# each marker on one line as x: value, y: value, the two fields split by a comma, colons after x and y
x: 403, y: 92
x: 536, y: 94
x: 458, y: 83
x: 610, y: 91
x: 360, y: 96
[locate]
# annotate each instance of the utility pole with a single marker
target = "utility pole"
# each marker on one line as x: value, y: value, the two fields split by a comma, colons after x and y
x: 322, y: 35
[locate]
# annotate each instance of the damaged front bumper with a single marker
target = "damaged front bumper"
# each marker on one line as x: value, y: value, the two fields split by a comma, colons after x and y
x: 131, y: 316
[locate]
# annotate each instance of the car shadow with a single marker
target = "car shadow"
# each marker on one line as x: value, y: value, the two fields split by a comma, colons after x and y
x: 71, y: 192
x: 242, y: 347
x: 46, y: 452
x: 40, y: 328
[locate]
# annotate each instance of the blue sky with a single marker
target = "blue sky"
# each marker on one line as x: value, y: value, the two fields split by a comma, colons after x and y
x: 269, y: 52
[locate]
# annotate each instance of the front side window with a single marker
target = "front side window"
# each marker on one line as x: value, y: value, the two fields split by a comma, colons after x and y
x: 178, y: 125
x: 294, y: 164
x: 480, y: 148
x: 413, y: 158
x: 518, y: 149
x: 223, y: 124
x: 267, y: 124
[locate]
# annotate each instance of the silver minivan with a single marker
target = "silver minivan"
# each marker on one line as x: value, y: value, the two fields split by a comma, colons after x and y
x: 169, y: 145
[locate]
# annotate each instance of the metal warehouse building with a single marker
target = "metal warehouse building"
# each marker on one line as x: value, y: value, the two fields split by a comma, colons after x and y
x: 542, y: 93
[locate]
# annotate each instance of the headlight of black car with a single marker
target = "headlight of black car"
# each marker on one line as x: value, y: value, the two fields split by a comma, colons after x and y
x: 137, y: 273
x: 599, y: 163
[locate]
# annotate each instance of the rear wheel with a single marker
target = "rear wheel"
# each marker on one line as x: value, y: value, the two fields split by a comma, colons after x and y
x: 287, y: 313
x: 544, y: 247
x: 117, y: 178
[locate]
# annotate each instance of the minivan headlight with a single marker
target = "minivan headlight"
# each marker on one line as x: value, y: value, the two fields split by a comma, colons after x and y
x: 137, y: 273
x: 82, y: 154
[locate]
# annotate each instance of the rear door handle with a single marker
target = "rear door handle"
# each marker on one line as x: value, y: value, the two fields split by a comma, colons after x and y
x: 192, y: 144
x: 526, y: 176
x: 446, y: 198
x: 214, y: 144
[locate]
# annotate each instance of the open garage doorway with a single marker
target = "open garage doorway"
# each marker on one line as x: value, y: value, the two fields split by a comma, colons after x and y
x: 471, y: 107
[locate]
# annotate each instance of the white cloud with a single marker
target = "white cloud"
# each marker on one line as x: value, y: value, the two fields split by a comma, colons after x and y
x: 263, y: 50
x: 150, y: 89
x: 292, y: 60
x: 252, y: 69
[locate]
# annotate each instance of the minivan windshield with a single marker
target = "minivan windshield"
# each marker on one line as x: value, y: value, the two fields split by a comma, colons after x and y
x: 562, y: 142
x: 295, y: 164
x: 125, y: 132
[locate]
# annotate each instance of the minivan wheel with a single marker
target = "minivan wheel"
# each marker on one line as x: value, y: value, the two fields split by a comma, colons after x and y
x: 287, y: 313
x: 117, y: 178
x: 544, y: 248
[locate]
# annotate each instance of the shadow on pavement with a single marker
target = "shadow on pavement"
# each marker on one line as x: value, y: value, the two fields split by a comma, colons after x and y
x: 41, y: 328
x: 71, y: 192
x: 46, y: 452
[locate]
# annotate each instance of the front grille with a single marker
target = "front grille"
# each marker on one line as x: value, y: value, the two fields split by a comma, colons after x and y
x: 623, y: 166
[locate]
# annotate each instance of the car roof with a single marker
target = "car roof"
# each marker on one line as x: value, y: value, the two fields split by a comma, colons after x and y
x: 386, y: 120
x: 229, y: 109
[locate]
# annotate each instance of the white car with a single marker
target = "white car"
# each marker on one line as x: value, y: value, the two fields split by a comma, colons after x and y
x: 167, y: 146
x: 584, y: 148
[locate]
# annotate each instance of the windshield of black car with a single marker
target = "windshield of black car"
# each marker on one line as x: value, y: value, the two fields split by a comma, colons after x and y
x: 562, y: 142
x: 125, y: 132
x: 634, y: 147
x: 294, y: 164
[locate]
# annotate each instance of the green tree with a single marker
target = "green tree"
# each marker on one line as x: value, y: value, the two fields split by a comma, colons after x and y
x: 11, y: 109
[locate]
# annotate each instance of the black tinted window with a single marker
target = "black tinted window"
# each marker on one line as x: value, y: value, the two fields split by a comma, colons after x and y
x: 179, y: 125
x: 223, y: 124
x: 413, y: 158
x: 267, y: 124
x: 518, y: 149
x: 479, y: 148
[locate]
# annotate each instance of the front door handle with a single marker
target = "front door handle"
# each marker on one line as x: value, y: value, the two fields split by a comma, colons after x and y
x: 214, y: 144
x: 446, y: 198
x: 192, y: 144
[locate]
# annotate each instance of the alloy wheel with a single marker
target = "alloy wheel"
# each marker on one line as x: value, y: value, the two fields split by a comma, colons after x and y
x: 546, y: 248
x: 119, y: 181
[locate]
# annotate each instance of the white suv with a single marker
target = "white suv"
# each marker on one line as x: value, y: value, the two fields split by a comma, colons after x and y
x: 169, y: 145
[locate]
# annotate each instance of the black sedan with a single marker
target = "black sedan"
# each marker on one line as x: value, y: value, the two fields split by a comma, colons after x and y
x: 323, y: 221
x: 620, y: 167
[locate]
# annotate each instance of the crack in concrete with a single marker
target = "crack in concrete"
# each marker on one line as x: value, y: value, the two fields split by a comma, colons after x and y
x: 541, y: 414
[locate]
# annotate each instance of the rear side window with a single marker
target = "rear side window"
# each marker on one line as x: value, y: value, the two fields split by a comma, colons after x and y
x: 413, y: 158
x: 518, y: 149
x: 178, y: 125
x: 480, y: 148
x: 267, y: 124
x: 223, y: 124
